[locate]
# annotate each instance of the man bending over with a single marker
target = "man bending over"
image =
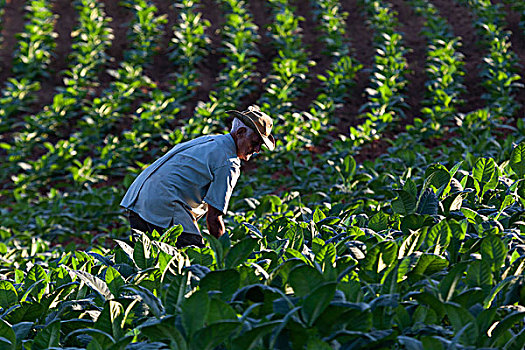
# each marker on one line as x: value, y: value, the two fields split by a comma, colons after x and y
x: 196, y: 178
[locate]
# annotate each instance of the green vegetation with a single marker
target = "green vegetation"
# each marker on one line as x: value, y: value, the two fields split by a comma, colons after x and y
x: 420, y: 246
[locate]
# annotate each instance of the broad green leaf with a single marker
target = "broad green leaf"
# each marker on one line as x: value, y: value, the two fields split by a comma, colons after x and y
x: 36, y: 278
x: 428, y: 203
x: 448, y: 284
x: 432, y: 301
x: 405, y: 203
x: 93, y: 282
x: 220, y: 310
x: 381, y: 256
x: 493, y: 251
x: 409, y: 245
x: 520, y: 191
x: 171, y: 235
x: 8, y: 295
x: 429, y: 264
x: 142, y: 252
x: 479, y: 274
x: 114, y: 281
x: 176, y: 291
x: 154, y: 303
x: 505, y: 324
x: 439, y: 236
x: 249, y: 339
x: 304, y: 279
x: 318, y: 215
x: 486, y: 173
x: 35, y: 274
x: 517, y: 342
x: 457, y: 202
x: 22, y: 330
x: 194, y: 311
x: 472, y: 216
x: 350, y: 166
x: 326, y: 257
x: 410, y: 187
x: 217, y: 248
x: 7, y: 336
x: 490, y: 298
x: 215, y: 334
x: 410, y: 343
x: 459, y: 318
x: 93, y: 332
x: 240, y: 252
x: 157, y: 330
x: 225, y: 281
x: 126, y: 248
x: 28, y: 312
x: 110, y: 319
x: 295, y: 236
x: 437, y: 176
x: 378, y: 222
x: 517, y: 160
x: 317, y: 301
x: 48, y: 337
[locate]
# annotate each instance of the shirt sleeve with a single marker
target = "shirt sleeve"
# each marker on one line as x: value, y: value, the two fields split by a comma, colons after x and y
x: 221, y: 188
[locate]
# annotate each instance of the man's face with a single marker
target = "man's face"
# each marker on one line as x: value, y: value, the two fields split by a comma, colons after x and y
x: 248, y: 143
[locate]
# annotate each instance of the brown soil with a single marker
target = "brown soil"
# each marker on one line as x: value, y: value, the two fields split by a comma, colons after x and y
x: 411, y: 25
x: 121, y: 17
x: 162, y: 68
x: 64, y: 25
x: 360, y: 38
x: 361, y: 41
x: 210, y: 66
x: 314, y: 47
x: 262, y: 17
x: 461, y: 20
x: 12, y: 23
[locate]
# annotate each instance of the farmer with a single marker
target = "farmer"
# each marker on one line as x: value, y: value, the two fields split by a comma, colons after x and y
x: 196, y: 178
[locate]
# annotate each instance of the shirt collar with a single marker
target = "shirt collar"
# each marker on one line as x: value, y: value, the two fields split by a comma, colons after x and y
x: 230, y: 146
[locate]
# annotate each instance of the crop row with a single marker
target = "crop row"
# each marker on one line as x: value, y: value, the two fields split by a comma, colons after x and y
x: 444, y: 67
x: 500, y: 70
x: 439, y: 263
x: 385, y: 94
x: 90, y: 40
x: 337, y: 81
x: 30, y: 62
x: 287, y: 77
x: 2, y: 10
x: 236, y: 80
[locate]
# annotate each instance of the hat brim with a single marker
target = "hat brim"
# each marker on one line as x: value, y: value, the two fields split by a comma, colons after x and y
x: 269, y: 141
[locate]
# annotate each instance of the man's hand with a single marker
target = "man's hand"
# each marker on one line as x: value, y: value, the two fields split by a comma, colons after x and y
x: 214, y: 222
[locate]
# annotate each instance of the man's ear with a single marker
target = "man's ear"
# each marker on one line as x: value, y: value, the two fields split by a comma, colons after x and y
x: 241, y: 131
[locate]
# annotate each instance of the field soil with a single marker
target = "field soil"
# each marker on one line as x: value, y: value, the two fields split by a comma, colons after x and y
x: 359, y: 38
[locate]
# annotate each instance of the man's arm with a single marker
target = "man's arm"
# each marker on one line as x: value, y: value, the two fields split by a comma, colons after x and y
x: 214, y: 222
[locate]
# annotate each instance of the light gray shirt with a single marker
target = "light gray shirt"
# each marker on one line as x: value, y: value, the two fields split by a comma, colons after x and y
x: 177, y: 187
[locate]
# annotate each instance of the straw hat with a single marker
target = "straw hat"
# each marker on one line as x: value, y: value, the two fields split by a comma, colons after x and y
x: 258, y: 121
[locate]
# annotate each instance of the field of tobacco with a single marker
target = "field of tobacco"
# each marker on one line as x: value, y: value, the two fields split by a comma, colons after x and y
x: 390, y: 216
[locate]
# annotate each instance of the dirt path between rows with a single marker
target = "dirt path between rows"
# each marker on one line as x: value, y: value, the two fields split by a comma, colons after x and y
x: 314, y: 48
x: 120, y: 19
x: 64, y: 25
x: 262, y: 17
x: 411, y: 25
x: 210, y: 66
x: 461, y: 21
x: 12, y: 23
x: 361, y: 42
x: 161, y: 70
